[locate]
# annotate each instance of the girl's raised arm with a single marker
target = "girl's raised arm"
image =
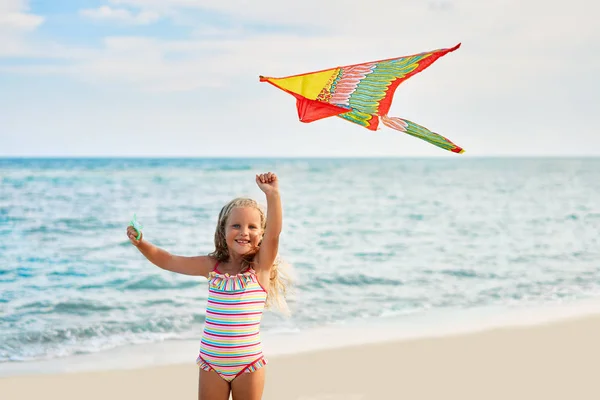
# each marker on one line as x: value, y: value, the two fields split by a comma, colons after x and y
x: 269, y: 184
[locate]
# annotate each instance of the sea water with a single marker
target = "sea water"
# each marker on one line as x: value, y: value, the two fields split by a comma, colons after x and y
x: 368, y: 240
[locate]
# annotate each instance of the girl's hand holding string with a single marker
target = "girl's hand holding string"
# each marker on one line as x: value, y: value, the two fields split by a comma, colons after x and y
x: 132, y: 234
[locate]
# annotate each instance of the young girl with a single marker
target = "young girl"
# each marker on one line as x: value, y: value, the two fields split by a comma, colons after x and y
x: 243, y: 277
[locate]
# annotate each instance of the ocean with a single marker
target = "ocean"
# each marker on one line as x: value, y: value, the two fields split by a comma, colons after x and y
x: 369, y: 240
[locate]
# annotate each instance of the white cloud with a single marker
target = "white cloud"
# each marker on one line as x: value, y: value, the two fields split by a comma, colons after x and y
x: 15, y: 18
x: 12, y: 5
x: 506, y: 43
x: 19, y: 21
x: 206, y: 30
x: 15, y: 23
x: 334, y: 32
x: 122, y: 15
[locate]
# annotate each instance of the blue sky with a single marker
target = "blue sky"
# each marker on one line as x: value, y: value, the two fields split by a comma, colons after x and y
x: 180, y: 77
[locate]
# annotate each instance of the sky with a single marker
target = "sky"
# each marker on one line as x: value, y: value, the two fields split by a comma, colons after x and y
x: 179, y: 78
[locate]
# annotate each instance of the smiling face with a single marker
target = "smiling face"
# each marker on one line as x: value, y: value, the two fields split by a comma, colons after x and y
x: 243, y: 230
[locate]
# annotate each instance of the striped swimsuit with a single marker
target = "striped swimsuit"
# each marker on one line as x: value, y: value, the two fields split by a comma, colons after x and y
x: 231, y: 340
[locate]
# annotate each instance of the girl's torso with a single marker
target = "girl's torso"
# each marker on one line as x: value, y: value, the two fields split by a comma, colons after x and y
x: 231, y: 338
x: 235, y: 305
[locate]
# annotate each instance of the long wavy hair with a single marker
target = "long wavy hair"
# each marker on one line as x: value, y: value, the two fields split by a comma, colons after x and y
x: 280, y: 278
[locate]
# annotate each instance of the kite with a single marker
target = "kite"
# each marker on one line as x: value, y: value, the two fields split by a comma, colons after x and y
x: 362, y: 93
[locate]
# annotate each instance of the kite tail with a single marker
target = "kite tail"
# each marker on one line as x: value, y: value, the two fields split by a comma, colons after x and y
x: 421, y: 132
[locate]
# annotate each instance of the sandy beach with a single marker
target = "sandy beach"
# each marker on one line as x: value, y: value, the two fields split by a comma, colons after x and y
x: 558, y: 360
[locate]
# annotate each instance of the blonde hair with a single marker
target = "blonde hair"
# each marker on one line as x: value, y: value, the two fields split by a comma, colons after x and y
x: 280, y: 278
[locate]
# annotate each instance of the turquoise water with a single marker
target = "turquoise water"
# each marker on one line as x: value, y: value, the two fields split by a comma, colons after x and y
x: 368, y: 238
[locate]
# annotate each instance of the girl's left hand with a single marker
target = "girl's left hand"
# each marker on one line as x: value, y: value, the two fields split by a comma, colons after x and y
x: 268, y: 182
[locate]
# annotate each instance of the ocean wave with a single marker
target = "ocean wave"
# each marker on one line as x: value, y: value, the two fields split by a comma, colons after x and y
x: 111, y: 283
x: 228, y: 167
x: 356, y: 279
x: 375, y: 255
x: 68, y: 272
x: 465, y: 273
x: 156, y: 282
x: 59, y: 342
x: 79, y: 307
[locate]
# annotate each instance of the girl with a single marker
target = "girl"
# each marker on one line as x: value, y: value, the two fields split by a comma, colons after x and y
x: 243, y: 277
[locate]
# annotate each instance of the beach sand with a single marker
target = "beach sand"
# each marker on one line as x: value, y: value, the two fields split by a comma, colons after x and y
x: 559, y: 360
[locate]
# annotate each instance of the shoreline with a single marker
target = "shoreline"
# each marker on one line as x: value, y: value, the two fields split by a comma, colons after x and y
x: 425, y: 325
x: 551, y: 360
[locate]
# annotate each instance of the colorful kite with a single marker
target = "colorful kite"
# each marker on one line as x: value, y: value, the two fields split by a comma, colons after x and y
x: 361, y: 93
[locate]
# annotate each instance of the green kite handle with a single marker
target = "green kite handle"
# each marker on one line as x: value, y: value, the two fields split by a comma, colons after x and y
x: 137, y: 226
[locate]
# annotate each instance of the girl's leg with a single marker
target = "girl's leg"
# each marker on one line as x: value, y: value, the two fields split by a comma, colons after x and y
x: 249, y: 386
x: 212, y: 387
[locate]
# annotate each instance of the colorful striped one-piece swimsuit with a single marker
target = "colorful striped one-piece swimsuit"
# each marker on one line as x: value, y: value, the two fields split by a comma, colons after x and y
x: 231, y: 340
